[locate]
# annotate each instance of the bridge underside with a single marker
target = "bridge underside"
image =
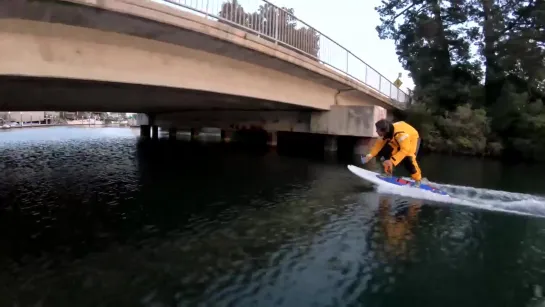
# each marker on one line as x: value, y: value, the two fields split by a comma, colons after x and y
x: 183, y: 108
x: 53, y: 94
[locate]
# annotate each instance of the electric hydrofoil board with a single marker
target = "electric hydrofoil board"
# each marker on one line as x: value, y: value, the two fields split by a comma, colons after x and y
x: 382, y: 180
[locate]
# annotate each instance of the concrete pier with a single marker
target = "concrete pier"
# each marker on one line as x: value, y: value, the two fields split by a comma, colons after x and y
x: 330, y: 143
x: 194, y: 134
x: 343, y: 128
x: 145, y: 131
x: 155, y: 132
x: 272, y: 140
x: 172, y: 133
x: 226, y: 136
x: 252, y: 136
x: 363, y: 145
x: 328, y: 146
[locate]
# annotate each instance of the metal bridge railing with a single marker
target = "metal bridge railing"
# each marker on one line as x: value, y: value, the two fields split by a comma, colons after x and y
x: 282, y: 27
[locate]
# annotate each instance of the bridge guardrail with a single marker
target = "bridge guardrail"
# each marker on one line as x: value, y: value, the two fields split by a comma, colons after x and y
x: 280, y: 26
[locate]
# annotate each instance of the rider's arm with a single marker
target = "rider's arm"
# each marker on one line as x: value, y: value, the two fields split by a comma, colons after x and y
x: 404, y: 148
x: 376, y: 148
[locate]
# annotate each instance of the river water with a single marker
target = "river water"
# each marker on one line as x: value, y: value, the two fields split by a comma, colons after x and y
x: 95, y: 217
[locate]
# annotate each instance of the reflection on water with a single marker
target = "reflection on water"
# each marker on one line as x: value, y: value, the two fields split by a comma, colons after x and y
x: 95, y: 217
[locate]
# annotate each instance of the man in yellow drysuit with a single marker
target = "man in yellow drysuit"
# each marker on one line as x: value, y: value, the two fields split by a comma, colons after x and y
x: 399, y: 143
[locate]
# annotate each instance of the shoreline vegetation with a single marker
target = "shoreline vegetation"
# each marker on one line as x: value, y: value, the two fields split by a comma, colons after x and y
x: 479, y: 71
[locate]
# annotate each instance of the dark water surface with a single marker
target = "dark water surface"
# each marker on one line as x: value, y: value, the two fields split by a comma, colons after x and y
x: 93, y: 217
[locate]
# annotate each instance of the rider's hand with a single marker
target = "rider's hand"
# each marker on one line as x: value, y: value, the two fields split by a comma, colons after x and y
x: 388, y: 166
x: 365, y: 159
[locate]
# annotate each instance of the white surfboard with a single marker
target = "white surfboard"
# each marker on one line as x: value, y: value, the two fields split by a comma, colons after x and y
x: 381, y: 180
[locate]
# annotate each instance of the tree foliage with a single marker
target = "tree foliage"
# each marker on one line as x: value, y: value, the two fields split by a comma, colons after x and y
x: 478, y: 68
x: 274, y: 23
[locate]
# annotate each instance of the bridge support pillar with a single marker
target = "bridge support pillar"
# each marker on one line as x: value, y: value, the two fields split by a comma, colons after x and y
x: 272, y: 139
x: 172, y: 133
x: 347, y: 120
x: 330, y: 143
x: 145, y: 131
x: 226, y: 136
x: 252, y: 136
x: 363, y: 145
x: 155, y: 132
x: 194, y: 134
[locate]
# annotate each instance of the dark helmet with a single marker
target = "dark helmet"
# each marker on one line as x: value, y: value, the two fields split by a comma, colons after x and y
x: 385, y: 126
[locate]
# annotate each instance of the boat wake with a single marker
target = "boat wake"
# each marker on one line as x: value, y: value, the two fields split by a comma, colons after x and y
x: 485, y: 199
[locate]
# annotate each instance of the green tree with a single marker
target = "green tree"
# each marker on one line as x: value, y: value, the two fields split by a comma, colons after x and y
x: 273, y: 22
x: 478, y: 69
x: 507, y: 35
x: 431, y: 44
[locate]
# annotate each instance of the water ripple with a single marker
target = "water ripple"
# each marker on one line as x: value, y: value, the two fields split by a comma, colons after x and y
x: 99, y: 218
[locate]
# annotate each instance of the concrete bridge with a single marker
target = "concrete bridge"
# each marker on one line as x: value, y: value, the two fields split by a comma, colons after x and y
x: 190, y: 68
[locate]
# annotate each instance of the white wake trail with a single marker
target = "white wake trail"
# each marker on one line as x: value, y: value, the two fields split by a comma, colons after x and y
x: 486, y: 199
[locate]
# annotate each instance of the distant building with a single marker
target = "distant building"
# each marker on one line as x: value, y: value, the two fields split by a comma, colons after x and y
x: 52, y: 114
x: 33, y: 116
x: 81, y: 115
x: 40, y: 116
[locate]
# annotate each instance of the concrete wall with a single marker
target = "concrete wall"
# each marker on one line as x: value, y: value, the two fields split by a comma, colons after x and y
x: 339, y: 120
x: 296, y: 121
x: 348, y: 120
